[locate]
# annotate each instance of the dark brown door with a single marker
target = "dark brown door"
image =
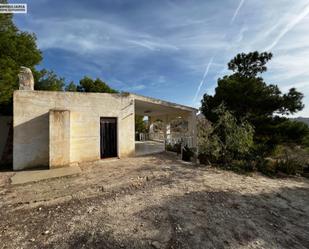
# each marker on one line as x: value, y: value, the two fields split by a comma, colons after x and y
x: 108, y: 132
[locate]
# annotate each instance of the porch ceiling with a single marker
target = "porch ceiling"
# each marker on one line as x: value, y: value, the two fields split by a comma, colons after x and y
x: 147, y: 108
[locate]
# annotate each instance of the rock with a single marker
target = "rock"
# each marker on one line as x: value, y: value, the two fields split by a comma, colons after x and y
x: 156, y: 244
x: 178, y: 228
x: 26, y: 81
x: 90, y: 210
x: 45, y: 233
x: 274, y: 213
x: 32, y: 240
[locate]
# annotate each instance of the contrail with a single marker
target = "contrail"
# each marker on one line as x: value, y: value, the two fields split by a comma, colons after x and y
x: 290, y: 26
x: 203, y: 79
x: 212, y: 58
x: 237, y: 10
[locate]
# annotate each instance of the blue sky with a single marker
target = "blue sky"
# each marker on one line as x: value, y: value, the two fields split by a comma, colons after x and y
x: 173, y: 50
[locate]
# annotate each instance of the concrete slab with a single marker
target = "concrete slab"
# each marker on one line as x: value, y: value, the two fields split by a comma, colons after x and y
x: 38, y: 175
x: 143, y: 148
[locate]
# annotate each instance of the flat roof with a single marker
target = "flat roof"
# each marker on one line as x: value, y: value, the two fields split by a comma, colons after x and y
x: 162, y: 102
x: 133, y: 95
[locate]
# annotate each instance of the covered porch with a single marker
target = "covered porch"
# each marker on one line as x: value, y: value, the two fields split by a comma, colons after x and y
x: 167, y: 124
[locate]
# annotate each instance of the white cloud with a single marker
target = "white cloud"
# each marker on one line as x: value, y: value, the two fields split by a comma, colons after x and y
x: 94, y: 36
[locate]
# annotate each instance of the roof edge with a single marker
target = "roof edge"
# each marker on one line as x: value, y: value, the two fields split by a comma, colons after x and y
x: 160, y: 101
x: 133, y: 95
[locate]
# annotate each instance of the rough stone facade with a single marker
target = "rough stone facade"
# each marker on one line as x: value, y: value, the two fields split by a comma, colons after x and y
x: 35, y: 121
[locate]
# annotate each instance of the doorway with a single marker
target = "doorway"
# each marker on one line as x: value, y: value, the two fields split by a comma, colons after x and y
x: 108, y: 137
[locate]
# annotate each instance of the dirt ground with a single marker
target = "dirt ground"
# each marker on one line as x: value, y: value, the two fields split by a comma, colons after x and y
x: 154, y: 202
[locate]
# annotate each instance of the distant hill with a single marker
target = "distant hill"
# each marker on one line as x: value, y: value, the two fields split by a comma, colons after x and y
x: 302, y: 119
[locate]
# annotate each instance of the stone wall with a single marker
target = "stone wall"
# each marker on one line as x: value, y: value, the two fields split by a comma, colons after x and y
x: 31, y: 125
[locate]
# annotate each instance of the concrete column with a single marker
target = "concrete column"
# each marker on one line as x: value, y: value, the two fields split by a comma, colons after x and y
x: 192, y: 127
x: 59, y: 138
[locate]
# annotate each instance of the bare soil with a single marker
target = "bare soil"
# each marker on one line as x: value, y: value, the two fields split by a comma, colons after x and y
x: 154, y: 202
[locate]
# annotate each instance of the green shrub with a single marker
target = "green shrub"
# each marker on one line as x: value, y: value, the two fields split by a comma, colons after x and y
x: 205, y: 159
x: 266, y: 166
x: 242, y: 166
x: 262, y: 149
x: 208, y: 143
x: 305, y: 142
x: 290, y: 167
x: 271, y: 167
x: 236, y: 138
x: 292, y: 131
x: 168, y: 147
x: 292, y: 158
x: 174, y: 148
x: 226, y: 140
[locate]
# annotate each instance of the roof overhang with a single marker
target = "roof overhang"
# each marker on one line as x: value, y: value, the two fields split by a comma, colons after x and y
x: 146, y: 106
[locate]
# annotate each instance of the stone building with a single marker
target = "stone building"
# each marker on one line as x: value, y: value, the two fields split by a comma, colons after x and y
x: 55, y: 129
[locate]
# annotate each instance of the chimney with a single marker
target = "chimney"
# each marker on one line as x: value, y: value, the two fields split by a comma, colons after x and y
x: 26, y: 81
